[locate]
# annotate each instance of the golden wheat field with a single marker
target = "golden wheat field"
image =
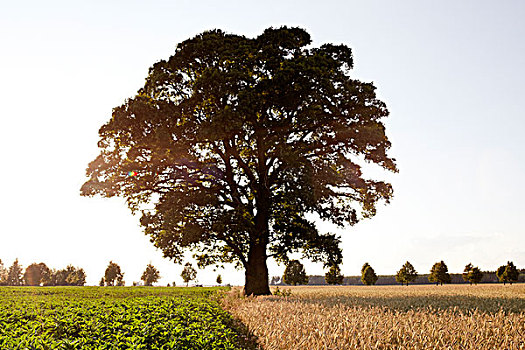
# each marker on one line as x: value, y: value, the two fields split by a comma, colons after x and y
x: 386, y: 317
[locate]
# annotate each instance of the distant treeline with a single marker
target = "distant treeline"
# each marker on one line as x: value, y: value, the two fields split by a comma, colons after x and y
x: 40, y: 275
x: 294, y: 274
x: 456, y: 278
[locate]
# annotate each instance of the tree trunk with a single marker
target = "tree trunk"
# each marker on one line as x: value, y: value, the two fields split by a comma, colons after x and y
x: 256, y: 282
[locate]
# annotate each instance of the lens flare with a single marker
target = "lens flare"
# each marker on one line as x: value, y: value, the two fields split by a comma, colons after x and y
x: 132, y: 173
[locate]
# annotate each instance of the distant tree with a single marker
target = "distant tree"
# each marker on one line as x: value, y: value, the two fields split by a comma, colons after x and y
x: 368, y: 275
x: 60, y: 277
x: 294, y: 273
x: 102, y: 282
x: 188, y: 273
x: 475, y: 275
x: 439, y: 273
x: 70, y: 276
x: 275, y: 280
x: 75, y: 276
x: 14, y: 274
x: 499, y: 273
x: 365, y: 265
x: 49, y: 278
x: 35, y: 274
x: 334, y: 276
x: 508, y: 273
x: 406, y: 274
x: 119, y: 282
x: 472, y: 274
x: 219, y: 280
x: 113, y: 275
x: 467, y: 269
x: 150, y: 275
x: 3, y: 274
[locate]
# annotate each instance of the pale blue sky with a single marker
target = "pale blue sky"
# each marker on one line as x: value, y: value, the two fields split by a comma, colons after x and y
x: 450, y: 72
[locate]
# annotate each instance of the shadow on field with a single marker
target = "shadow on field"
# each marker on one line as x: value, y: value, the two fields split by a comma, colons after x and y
x: 247, y: 340
x: 465, y: 304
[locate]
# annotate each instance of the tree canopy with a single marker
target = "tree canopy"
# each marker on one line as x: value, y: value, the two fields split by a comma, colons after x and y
x: 234, y: 145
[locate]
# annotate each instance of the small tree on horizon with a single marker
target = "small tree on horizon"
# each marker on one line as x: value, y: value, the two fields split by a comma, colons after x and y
x: 406, y: 274
x: 294, y: 273
x: 219, y: 279
x: 365, y: 265
x: 35, y: 274
x: 70, y: 276
x: 76, y: 276
x: 507, y: 273
x: 113, y: 275
x: 188, y: 273
x: 275, y: 280
x: 472, y: 274
x: 14, y: 274
x: 119, y: 282
x: 334, y: 276
x: 368, y: 275
x: 3, y: 274
x: 150, y: 275
x: 439, y: 273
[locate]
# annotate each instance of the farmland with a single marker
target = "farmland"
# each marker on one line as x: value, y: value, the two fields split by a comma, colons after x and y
x: 114, y: 318
x: 393, y: 317
x: 312, y: 317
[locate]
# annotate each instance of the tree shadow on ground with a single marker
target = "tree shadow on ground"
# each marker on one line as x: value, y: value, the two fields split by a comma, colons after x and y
x: 247, y: 340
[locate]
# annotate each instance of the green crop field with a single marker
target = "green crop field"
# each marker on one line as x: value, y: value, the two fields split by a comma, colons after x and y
x: 114, y: 318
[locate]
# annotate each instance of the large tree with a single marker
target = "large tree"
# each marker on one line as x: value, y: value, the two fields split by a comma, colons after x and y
x: 237, y: 145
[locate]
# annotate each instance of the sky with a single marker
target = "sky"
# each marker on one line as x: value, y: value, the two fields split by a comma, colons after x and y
x: 450, y: 72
